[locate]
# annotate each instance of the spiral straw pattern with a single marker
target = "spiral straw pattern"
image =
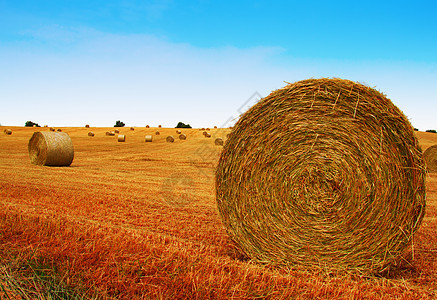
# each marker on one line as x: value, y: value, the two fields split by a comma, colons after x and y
x: 323, y: 173
x: 430, y: 157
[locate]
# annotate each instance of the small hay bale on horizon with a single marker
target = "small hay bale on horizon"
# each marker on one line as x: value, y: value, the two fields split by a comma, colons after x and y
x: 219, y: 141
x: 323, y: 174
x: 147, y: 126
x: 52, y: 129
x: 182, y: 137
x: 59, y: 130
x: 157, y: 133
x: 148, y: 138
x: 430, y: 157
x: 132, y: 128
x: 178, y: 131
x: 117, y: 131
x: 90, y: 133
x: 8, y: 131
x: 170, y: 139
x: 87, y: 126
x: 121, y: 138
x: 48, y: 148
x: 159, y: 126
x: 207, y: 135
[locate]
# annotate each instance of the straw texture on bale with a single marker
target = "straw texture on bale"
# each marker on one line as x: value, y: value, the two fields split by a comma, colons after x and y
x: 87, y: 126
x: 157, y: 133
x: 430, y: 157
x: 323, y: 173
x: 51, y: 149
x: 178, y: 131
x: 182, y: 137
x: 170, y: 139
x: 90, y: 133
x: 8, y: 131
x: 148, y: 138
x: 207, y: 135
x: 121, y: 138
x: 219, y: 141
x: 204, y: 133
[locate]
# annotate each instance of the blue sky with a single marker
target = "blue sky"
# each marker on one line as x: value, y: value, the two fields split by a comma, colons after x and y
x: 70, y: 63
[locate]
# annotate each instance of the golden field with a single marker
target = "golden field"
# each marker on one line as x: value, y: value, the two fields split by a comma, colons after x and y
x: 137, y: 220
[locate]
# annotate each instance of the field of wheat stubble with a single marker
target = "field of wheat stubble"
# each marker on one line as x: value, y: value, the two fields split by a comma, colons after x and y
x: 139, y: 220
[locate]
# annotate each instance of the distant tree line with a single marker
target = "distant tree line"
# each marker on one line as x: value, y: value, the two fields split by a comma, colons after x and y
x: 119, y: 124
x: 182, y: 125
x: 31, y: 124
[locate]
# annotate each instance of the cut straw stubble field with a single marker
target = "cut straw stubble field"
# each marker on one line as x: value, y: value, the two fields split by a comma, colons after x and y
x: 107, y: 221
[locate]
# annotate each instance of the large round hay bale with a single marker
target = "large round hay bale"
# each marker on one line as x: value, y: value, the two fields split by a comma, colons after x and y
x: 121, y: 138
x: 90, y: 133
x: 323, y: 173
x: 148, y: 138
x: 8, y: 131
x: 430, y: 157
x: 170, y: 139
x: 219, y: 141
x: 51, y: 149
x: 182, y: 137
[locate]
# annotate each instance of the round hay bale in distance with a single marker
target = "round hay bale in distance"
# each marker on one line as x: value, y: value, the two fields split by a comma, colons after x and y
x: 170, y: 139
x: 52, y: 129
x: 87, y: 126
x: 147, y: 126
x: 182, y: 137
x: 219, y: 141
x: 121, y: 138
x: 117, y: 131
x: 132, y: 128
x: 159, y: 126
x: 8, y: 131
x: 430, y: 157
x: 59, y: 130
x: 148, y: 138
x: 48, y: 148
x: 323, y: 173
x: 178, y: 131
x: 207, y: 135
x: 90, y: 133
x: 157, y: 133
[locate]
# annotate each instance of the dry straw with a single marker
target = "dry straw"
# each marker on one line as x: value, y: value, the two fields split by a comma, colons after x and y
x: 207, y: 135
x: 430, y: 157
x: 117, y: 131
x: 170, y: 139
x: 90, y: 133
x: 8, y: 131
x: 121, y: 138
x: 219, y: 141
x: 132, y: 128
x: 178, y: 131
x: 147, y: 126
x: 157, y: 133
x: 323, y: 173
x: 87, y: 126
x: 182, y: 137
x: 51, y: 149
x: 52, y: 129
x: 159, y: 126
x: 59, y: 130
x: 148, y: 138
